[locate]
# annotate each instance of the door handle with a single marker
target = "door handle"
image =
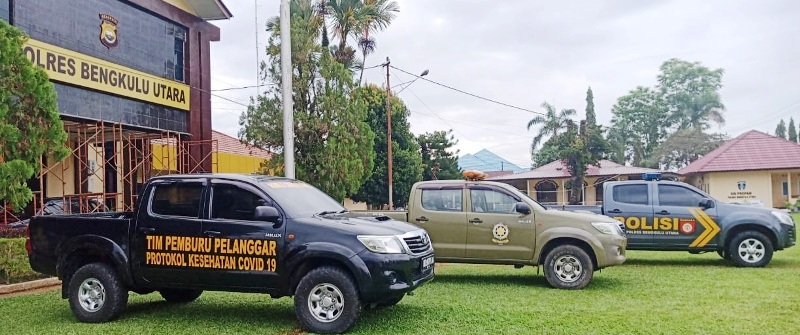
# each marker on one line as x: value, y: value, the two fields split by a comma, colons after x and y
x: 421, y: 219
x: 212, y: 233
x: 476, y: 221
x: 615, y: 211
x: 663, y: 212
x: 147, y: 230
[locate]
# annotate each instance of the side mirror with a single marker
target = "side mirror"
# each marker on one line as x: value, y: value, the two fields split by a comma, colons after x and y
x: 522, y: 208
x: 267, y: 213
x: 706, y: 203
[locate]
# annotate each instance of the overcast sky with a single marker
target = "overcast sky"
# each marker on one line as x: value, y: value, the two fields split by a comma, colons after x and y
x: 525, y: 52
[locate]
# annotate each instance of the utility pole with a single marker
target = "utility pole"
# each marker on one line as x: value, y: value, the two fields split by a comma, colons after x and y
x: 286, y: 87
x: 389, y: 130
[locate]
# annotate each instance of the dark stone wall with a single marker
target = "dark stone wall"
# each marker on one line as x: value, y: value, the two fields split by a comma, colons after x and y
x: 146, y: 43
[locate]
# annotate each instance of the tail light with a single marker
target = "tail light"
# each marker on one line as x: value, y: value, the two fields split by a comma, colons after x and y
x: 28, y: 239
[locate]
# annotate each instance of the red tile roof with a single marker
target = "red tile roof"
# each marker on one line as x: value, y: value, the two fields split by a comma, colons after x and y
x: 557, y: 169
x: 752, y: 150
x: 230, y: 144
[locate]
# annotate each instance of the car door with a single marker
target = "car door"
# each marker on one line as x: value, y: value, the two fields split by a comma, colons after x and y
x: 440, y: 211
x: 681, y: 222
x: 631, y: 203
x: 246, y: 252
x: 167, y: 231
x: 496, y: 231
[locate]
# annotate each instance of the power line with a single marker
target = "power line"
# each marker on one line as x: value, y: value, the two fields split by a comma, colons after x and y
x: 241, y: 87
x: 467, y: 93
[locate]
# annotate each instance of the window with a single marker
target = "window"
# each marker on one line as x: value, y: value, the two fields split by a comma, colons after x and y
x: 5, y: 10
x: 491, y: 201
x: 178, y: 199
x: 234, y: 203
x: 598, y: 189
x: 785, y: 188
x: 631, y: 194
x: 546, y: 192
x: 442, y: 200
x: 179, y: 49
x: 672, y: 195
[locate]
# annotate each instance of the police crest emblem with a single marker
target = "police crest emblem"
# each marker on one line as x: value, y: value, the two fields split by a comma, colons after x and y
x: 500, y: 233
x: 108, y: 31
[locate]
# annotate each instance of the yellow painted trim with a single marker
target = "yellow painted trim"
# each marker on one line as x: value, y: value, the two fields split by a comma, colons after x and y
x: 180, y: 4
x: 710, y: 227
x: 74, y: 68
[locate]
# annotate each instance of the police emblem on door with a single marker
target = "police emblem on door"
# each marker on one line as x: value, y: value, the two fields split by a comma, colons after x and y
x: 500, y: 233
x: 108, y: 31
x: 742, y: 185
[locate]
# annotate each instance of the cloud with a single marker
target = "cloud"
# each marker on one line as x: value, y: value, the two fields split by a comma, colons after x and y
x: 525, y: 52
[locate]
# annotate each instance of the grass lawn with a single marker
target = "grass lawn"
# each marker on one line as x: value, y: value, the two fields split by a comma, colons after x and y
x: 652, y: 293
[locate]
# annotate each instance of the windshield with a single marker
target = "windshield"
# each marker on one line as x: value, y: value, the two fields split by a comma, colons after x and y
x: 301, y: 200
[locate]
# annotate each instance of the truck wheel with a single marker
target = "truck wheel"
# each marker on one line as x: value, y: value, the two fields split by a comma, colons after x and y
x: 180, y: 296
x: 750, y: 249
x: 96, y: 293
x: 724, y: 254
x: 326, y: 301
x: 568, y: 267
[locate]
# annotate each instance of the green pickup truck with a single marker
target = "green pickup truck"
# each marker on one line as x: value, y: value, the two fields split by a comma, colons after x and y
x: 486, y: 222
x: 675, y: 216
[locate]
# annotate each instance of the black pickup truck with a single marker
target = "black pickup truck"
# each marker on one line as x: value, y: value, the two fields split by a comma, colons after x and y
x: 669, y: 215
x: 236, y: 233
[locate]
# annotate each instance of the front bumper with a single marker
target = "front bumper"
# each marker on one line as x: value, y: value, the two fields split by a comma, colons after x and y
x: 614, y: 247
x: 394, y: 274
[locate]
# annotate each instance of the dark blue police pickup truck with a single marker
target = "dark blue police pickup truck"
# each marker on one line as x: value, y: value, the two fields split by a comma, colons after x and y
x: 669, y: 215
x: 219, y: 232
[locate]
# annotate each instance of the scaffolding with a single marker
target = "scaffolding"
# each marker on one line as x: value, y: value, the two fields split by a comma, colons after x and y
x: 108, y: 165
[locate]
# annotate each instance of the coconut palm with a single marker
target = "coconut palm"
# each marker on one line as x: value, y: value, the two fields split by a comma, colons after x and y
x: 384, y: 12
x: 552, y: 122
x: 698, y: 111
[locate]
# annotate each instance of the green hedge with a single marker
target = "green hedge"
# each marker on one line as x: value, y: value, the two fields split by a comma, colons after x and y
x: 14, y: 266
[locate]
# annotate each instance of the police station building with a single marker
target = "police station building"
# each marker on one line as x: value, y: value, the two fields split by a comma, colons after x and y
x: 127, y: 74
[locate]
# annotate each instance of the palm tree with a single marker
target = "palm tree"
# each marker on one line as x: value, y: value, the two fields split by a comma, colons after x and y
x: 552, y: 122
x: 384, y: 12
x: 698, y: 111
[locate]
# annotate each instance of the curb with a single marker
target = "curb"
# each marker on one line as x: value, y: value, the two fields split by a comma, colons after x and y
x: 29, y: 285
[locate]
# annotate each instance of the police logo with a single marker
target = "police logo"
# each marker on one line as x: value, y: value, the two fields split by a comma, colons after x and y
x: 742, y: 185
x: 108, y: 31
x: 687, y: 226
x: 500, y: 233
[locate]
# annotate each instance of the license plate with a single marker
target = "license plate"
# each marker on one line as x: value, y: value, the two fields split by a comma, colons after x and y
x: 427, y: 263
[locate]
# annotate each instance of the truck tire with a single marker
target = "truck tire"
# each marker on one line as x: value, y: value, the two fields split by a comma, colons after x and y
x: 96, y: 294
x: 180, y: 296
x: 568, y: 267
x: 750, y: 249
x: 724, y: 254
x: 326, y: 301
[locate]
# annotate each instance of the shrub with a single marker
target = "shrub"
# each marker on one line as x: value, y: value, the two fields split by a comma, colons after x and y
x: 14, y: 266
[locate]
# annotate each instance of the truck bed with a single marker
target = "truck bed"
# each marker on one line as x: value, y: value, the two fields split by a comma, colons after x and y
x: 575, y: 208
x: 53, y: 235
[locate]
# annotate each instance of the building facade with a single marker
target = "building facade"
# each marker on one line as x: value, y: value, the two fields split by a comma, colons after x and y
x: 126, y: 73
x: 550, y: 184
x: 752, y: 169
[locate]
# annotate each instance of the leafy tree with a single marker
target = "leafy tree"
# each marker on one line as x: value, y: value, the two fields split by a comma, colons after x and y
x: 596, y: 144
x: 680, y: 81
x: 683, y: 147
x: 29, y: 120
x: 638, y: 125
x: 792, y: 131
x: 438, y: 158
x: 552, y: 123
x: 333, y: 143
x: 780, y: 130
x: 352, y: 18
x: 406, y: 159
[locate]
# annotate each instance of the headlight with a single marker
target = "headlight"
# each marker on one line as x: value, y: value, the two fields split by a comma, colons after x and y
x: 783, y: 217
x: 382, y: 244
x: 610, y: 228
